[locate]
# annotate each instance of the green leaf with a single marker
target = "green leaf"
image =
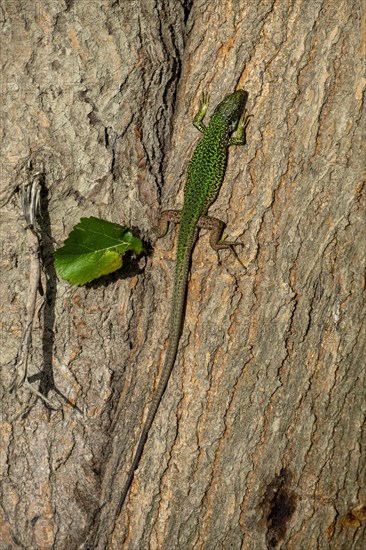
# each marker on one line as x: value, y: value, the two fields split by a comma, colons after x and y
x: 94, y: 248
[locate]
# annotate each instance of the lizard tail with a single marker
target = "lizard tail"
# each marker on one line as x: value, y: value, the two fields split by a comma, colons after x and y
x: 176, y: 323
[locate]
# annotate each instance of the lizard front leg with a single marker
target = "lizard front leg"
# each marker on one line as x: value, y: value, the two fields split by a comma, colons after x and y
x: 200, y: 115
x: 240, y: 138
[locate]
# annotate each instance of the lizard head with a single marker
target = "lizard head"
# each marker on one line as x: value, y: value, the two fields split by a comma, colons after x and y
x: 231, y: 108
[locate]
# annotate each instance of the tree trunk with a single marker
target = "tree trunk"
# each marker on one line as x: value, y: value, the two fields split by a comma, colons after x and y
x: 259, y: 441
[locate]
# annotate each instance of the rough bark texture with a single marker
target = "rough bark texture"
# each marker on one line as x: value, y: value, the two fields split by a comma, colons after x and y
x: 260, y: 439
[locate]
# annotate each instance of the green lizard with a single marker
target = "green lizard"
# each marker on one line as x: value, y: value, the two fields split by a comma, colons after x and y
x: 205, y: 176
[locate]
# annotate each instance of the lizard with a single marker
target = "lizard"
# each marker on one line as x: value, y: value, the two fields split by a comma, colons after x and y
x: 205, y: 175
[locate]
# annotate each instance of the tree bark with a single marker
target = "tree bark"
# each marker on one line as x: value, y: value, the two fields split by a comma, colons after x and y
x: 259, y: 441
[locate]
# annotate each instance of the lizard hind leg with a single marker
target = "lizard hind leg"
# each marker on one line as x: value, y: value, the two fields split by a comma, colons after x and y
x: 216, y: 228
x: 166, y: 217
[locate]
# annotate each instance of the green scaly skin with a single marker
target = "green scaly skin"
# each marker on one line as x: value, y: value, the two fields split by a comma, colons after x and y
x: 205, y: 176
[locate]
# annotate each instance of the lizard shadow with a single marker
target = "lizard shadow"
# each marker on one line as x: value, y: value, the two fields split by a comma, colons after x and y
x: 46, y: 375
x: 131, y: 267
